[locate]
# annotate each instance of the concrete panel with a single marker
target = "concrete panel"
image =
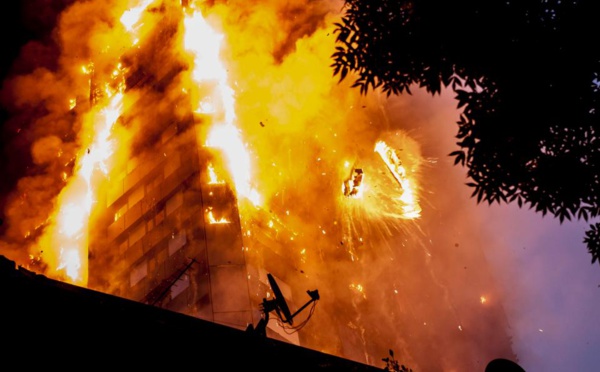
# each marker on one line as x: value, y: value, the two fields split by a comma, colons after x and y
x: 133, y: 214
x: 229, y: 289
x: 116, y: 228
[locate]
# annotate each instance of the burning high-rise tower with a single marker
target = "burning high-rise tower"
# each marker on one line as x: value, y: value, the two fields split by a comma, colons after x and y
x: 169, y: 231
x: 178, y: 212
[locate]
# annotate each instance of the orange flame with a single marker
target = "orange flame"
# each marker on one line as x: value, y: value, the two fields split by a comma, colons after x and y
x: 212, y: 175
x: 204, y: 44
x: 64, y: 243
x: 211, y: 218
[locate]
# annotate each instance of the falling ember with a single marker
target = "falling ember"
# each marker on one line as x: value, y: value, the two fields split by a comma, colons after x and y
x: 209, y: 73
x: 359, y: 289
x: 482, y: 299
x: 389, y: 156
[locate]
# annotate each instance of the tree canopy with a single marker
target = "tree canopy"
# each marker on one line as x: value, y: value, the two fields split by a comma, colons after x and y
x: 525, y: 74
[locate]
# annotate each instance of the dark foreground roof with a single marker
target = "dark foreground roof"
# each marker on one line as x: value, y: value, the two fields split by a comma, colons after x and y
x: 57, y: 325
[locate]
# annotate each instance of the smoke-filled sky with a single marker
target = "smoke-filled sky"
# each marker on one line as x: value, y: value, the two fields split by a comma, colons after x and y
x: 550, y: 289
x: 423, y: 279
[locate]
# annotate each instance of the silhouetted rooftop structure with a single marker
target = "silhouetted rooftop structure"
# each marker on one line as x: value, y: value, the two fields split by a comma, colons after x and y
x: 55, y: 324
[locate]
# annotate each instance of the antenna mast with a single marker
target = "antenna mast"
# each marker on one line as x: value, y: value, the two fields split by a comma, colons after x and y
x: 280, y: 306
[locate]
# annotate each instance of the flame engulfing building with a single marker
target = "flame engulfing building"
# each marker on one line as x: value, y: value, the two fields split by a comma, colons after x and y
x: 179, y: 237
x: 176, y: 221
x: 167, y: 229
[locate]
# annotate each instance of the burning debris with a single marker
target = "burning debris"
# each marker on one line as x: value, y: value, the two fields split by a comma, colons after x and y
x: 410, y: 205
x: 353, y: 186
x: 394, y: 199
x: 393, y: 162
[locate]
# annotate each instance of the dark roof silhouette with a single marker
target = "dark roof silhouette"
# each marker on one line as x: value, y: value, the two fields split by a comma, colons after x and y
x: 52, y: 324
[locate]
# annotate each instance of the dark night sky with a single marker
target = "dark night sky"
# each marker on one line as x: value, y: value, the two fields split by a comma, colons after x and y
x: 14, y: 39
x: 24, y: 25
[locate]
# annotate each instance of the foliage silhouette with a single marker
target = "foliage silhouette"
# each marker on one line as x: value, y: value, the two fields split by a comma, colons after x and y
x: 526, y: 75
x: 393, y: 365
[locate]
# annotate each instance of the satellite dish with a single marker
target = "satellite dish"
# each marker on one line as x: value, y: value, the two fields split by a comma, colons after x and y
x: 280, y: 306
